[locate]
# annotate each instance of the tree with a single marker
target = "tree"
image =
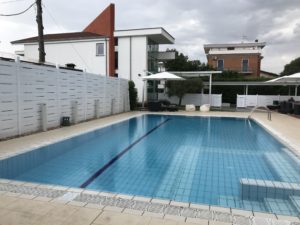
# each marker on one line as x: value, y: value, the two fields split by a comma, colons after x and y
x: 292, y: 67
x: 180, y: 88
x: 182, y: 63
x: 132, y: 95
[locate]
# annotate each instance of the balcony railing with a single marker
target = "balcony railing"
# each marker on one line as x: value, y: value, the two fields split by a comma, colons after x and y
x: 236, y: 69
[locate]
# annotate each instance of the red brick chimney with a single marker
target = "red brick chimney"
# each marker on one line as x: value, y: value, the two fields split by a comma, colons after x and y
x: 104, y: 24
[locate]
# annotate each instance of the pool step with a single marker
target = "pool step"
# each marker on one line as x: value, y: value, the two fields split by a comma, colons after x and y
x: 281, y: 206
x: 258, y: 190
x: 295, y: 200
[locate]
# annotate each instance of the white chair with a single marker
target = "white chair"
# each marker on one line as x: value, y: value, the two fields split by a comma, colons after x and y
x: 205, y: 108
x: 190, y: 108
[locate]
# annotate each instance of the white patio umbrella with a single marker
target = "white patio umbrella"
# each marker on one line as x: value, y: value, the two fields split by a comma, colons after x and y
x: 159, y: 76
x: 293, y: 79
x: 163, y: 76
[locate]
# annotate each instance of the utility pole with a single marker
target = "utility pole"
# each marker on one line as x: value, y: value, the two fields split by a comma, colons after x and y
x: 39, y: 20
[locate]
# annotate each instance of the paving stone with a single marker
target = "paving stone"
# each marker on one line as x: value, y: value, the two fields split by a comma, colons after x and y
x: 94, y: 206
x: 218, y: 223
x: 198, y: 206
x: 197, y: 221
x: 113, y: 208
x: 241, y: 220
x: 188, y: 212
x: 182, y: 204
x: 151, y: 214
x: 261, y: 221
x: 204, y: 214
x: 156, y: 208
x: 175, y: 218
x: 241, y: 212
x: 143, y: 199
x: 223, y: 217
x: 139, y: 205
x: 289, y: 218
x: 265, y: 215
x: 75, y: 203
x: 124, y: 203
x: 172, y: 210
x: 160, y: 201
x: 220, y: 209
x: 134, y: 212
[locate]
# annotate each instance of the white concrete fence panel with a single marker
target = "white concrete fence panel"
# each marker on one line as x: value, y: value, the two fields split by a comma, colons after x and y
x: 25, y: 87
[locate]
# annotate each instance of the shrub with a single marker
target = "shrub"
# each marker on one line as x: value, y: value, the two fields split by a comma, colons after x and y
x: 132, y: 95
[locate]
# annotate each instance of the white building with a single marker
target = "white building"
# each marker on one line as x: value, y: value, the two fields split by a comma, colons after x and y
x: 86, y: 50
x: 100, y: 49
x: 138, y: 53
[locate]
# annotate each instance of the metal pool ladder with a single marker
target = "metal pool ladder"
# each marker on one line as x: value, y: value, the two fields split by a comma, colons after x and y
x: 256, y: 107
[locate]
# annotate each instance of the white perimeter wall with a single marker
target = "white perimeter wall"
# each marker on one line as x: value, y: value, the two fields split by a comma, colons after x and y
x: 24, y: 87
x: 243, y: 101
x: 133, y: 60
x: 81, y: 53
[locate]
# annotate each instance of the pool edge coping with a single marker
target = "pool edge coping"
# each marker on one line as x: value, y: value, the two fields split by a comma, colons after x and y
x: 217, y: 213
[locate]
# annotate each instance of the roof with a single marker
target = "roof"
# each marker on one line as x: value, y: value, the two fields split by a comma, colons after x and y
x: 61, y: 37
x: 207, y: 47
x: 269, y: 73
x: 245, y: 83
x: 157, y: 34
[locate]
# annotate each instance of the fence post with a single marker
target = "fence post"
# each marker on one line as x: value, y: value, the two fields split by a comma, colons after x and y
x: 85, y: 94
x: 97, y: 108
x: 17, y: 60
x: 44, y: 116
x: 58, y: 93
x: 75, y: 112
x: 112, y: 106
x: 256, y: 99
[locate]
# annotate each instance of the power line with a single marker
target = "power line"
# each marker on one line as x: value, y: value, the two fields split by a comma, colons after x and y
x: 19, y: 13
x: 12, y: 1
x: 60, y: 28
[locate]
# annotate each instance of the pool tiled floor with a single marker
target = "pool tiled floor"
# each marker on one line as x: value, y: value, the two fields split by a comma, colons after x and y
x: 25, y: 208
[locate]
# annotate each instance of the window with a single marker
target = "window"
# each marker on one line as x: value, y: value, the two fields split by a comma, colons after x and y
x: 230, y: 48
x: 245, y: 65
x: 99, y: 49
x: 220, y: 64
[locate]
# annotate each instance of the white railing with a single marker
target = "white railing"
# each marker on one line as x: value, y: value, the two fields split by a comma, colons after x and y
x: 35, y: 97
x: 195, y: 99
x: 244, y: 101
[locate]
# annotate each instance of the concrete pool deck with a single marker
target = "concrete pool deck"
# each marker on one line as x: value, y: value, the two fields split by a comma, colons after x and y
x: 29, y: 203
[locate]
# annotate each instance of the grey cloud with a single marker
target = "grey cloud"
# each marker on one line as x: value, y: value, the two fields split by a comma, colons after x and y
x: 192, y: 22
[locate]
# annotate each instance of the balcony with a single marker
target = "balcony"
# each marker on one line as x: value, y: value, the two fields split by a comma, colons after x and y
x: 162, y: 56
x: 237, y: 69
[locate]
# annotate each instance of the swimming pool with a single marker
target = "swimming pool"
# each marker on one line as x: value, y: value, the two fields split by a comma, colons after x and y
x: 207, y: 160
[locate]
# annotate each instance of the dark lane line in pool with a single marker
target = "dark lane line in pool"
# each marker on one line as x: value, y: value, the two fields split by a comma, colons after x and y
x: 113, y: 160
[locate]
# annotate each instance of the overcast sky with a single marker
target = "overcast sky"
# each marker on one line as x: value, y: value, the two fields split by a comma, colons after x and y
x: 192, y: 23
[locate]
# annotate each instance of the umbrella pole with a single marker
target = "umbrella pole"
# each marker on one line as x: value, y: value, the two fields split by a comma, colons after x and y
x: 143, y: 94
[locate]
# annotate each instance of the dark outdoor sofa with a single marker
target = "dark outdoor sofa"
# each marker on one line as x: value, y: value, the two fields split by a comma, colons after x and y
x: 162, y: 105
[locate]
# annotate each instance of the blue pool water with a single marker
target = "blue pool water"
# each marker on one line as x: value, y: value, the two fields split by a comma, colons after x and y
x: 216, y: 161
